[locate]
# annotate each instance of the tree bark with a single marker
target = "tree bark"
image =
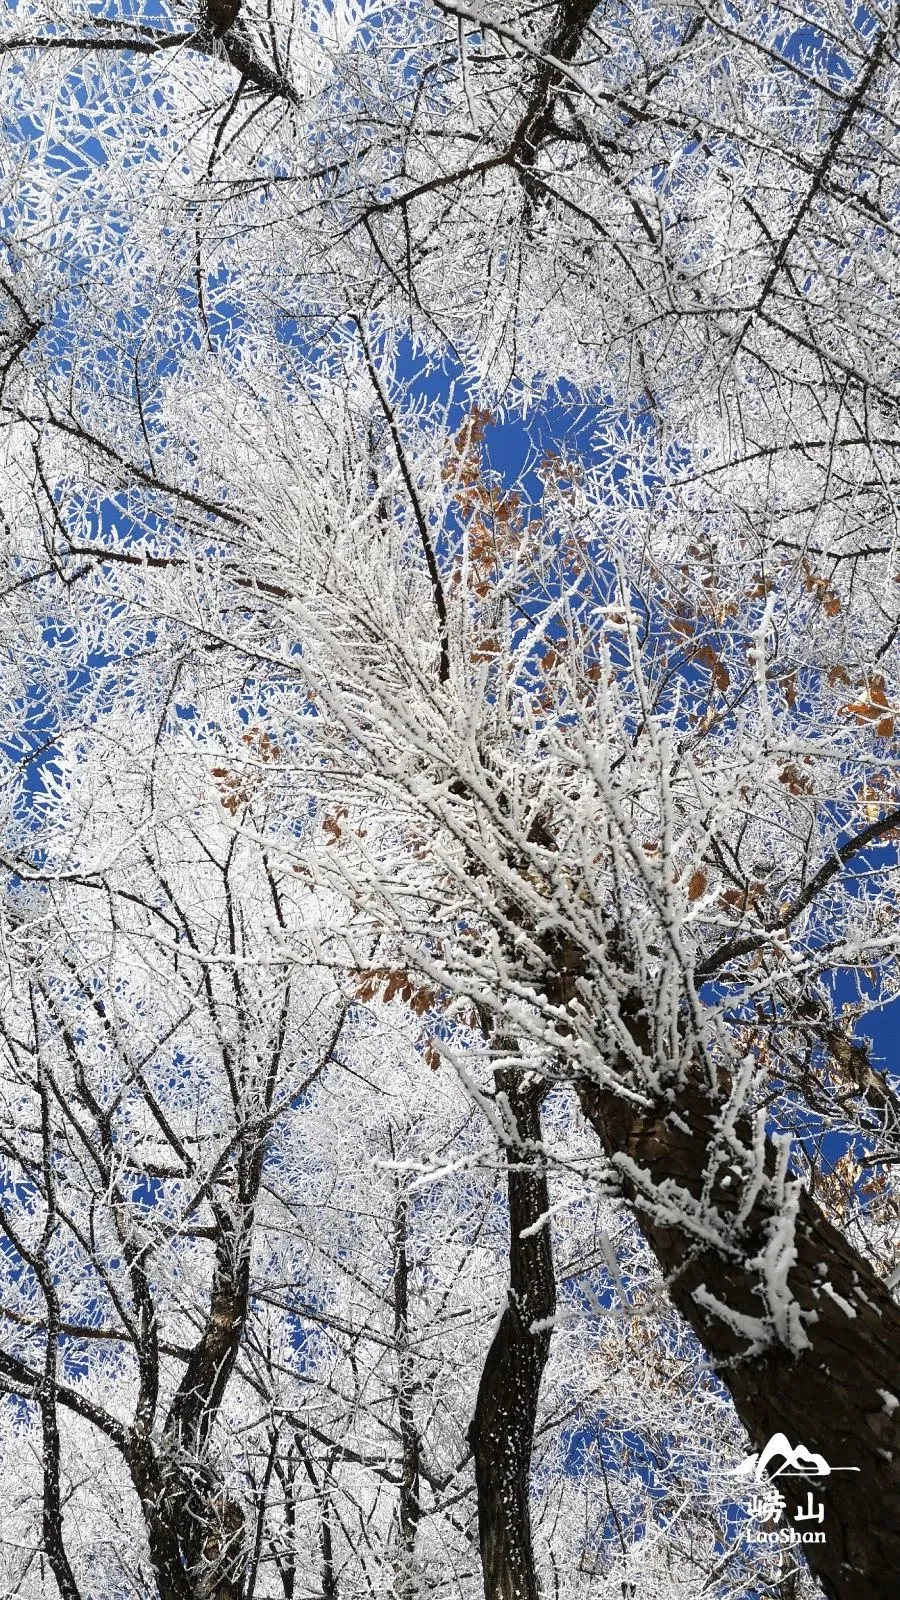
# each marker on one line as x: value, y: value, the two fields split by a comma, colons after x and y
x: 840, y: 1396
x: 502, y: 1431
x: 411, y: 1446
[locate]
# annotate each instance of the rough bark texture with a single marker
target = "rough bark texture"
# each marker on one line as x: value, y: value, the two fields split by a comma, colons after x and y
x: 503, y: 1427
x: 836, y: 1396
x: 411, y: 1447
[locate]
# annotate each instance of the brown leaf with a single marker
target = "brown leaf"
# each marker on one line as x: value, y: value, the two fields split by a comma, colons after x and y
x: 872, y: 708
x: 393, y: 986
x: 733, y: 898
x: 422, y: 1001
x: 794, y: 780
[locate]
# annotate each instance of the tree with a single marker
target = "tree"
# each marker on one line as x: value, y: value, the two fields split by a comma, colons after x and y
x: 166, y: 1290
x: 606, y: 752
x: 252, y: 1245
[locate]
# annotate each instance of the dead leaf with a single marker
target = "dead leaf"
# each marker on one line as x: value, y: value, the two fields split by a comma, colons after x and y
x: 795, y: 781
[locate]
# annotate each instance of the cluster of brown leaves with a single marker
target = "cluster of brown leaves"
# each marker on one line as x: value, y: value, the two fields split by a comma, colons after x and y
x: 814, y: 583
x: 717, y: 608
x: 237, y: 789
x: 873, y: 707
x: 795, y: 779
x: 877, y: 796
x: 494, y: 518
x: 735, y: 898
x: 685, y: 624
x: 849, y: 1187
x: 331, y: 824
x: 392, y: 983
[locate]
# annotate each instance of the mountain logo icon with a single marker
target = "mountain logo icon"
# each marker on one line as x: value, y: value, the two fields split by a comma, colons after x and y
x: 799, y: 1462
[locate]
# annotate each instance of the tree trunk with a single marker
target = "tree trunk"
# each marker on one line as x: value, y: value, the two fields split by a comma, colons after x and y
x: 411, y: 1445
x: 840, y: 1396
x: 503, y: 1427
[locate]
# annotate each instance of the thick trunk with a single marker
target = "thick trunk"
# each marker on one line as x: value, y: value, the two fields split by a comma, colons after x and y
x: 209, y: 1522
x: 840, y: 1396
x: 195, y: 1530
x: 52, y: 1522
x: 411, y: 1448
x: 153, y: 1491
x: 503, y: 1427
